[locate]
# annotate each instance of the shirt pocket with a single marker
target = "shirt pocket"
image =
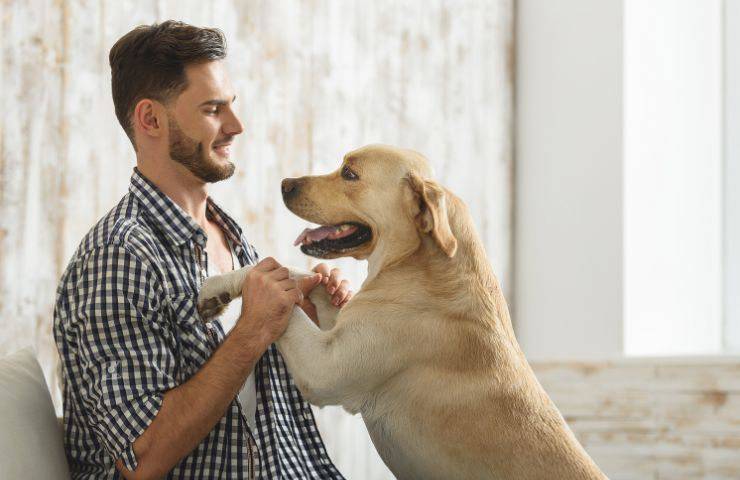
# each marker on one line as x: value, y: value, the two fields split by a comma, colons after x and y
x: 196, y: 341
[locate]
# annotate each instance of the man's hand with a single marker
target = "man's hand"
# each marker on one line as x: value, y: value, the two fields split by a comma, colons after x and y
x: 268, y: 297
x: 335, y: 286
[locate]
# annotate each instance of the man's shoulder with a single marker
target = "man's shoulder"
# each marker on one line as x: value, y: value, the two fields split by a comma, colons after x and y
x: 124, y: 226
x: 122, y: 239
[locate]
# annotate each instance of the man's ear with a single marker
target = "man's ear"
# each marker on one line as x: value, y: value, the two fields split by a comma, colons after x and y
x: 430, y: 212
x: 146, y: 118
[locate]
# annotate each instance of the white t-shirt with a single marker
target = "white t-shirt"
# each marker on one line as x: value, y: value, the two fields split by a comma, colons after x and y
x: 248, y: 393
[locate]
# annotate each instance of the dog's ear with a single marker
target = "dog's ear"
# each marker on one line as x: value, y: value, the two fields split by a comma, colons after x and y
x: 430, y: 212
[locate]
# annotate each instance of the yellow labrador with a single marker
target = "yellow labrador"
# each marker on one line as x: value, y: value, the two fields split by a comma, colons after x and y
x: 425, y: 350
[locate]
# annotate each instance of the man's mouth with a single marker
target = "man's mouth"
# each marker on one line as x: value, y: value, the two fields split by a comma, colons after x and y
x: 341, y: 238
x: 222, y: 149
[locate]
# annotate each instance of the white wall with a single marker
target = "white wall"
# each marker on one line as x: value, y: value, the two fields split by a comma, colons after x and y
x: 568, y: 208
x: 672, y: 177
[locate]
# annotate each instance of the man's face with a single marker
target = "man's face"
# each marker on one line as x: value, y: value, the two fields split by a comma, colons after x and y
x: 203, y: 124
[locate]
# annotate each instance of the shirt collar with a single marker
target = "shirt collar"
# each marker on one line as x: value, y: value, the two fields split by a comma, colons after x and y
x: 170, y: 219
x: 227, y: 224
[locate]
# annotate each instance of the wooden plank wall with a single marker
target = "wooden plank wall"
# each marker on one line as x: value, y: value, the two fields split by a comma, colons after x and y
x: 315, y: 78
x: 657, y: 419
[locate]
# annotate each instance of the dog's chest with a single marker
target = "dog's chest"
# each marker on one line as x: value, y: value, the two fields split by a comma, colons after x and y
x: 390, y: 449
x: 407, y: 457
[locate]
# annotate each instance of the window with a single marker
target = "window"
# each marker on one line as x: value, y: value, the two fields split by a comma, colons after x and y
x: 672, y: 177
x: 731, y: 184
x: 681, y: 155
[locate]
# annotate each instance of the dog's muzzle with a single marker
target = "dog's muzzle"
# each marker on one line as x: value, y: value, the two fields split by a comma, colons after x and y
x: 290, y: 187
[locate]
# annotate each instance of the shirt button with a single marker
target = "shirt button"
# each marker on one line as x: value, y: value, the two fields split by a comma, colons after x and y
x: 112, y: 368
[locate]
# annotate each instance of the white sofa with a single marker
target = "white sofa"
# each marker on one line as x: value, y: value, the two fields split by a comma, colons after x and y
x: 31, y: 439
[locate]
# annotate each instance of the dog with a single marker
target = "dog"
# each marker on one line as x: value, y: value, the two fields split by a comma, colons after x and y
x: 425, y: 350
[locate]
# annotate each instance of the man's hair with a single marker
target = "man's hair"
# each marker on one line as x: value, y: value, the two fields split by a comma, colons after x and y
x: 150, y: 60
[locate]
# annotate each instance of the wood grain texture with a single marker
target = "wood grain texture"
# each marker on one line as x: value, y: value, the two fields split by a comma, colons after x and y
x: 314, y: 79
x: 652, y: 418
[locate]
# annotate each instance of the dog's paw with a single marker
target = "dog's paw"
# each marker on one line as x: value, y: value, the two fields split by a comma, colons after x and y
x: 210, y: 308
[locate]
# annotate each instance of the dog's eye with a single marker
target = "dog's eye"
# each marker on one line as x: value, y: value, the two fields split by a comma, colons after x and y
x: 348, y: 174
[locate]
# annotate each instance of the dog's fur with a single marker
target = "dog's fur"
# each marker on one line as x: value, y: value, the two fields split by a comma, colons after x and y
x: 425, y: 350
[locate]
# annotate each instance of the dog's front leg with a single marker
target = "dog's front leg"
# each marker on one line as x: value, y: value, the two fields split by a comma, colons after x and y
x: 326, y: 312
x: 340, y: 366
x: 310, y: 356
x: 219, y: 290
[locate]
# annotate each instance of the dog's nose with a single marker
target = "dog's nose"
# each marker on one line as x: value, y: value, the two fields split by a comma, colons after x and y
x: 289, y: 187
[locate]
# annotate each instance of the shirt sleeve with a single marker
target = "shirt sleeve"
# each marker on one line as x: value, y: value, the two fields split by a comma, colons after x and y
x: 125, y: 349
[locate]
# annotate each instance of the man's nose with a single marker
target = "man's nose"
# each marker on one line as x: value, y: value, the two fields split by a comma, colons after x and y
x: 290, y: 187
x: 234, y: 126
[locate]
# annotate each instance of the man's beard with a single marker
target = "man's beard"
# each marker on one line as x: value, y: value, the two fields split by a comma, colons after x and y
x: 189, y: 153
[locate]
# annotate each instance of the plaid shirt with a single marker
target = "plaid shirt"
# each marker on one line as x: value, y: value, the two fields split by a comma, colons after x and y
x: 127, y: 330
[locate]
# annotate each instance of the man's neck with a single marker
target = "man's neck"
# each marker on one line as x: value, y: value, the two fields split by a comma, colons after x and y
x: 176, y: 181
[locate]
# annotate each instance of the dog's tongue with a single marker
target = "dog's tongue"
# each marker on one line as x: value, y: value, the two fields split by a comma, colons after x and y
x: 317, y: 234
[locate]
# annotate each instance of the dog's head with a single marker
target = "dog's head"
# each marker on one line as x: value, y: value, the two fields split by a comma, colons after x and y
x: 379, y: 197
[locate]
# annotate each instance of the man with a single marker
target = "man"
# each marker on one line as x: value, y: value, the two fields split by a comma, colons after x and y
x: 150, y: 390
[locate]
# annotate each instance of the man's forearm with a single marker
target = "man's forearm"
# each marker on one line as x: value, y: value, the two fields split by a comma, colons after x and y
x: 189, y: 411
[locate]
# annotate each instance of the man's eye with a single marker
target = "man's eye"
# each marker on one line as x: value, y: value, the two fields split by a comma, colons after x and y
x: 348, y: 174
x: 212, y: 111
